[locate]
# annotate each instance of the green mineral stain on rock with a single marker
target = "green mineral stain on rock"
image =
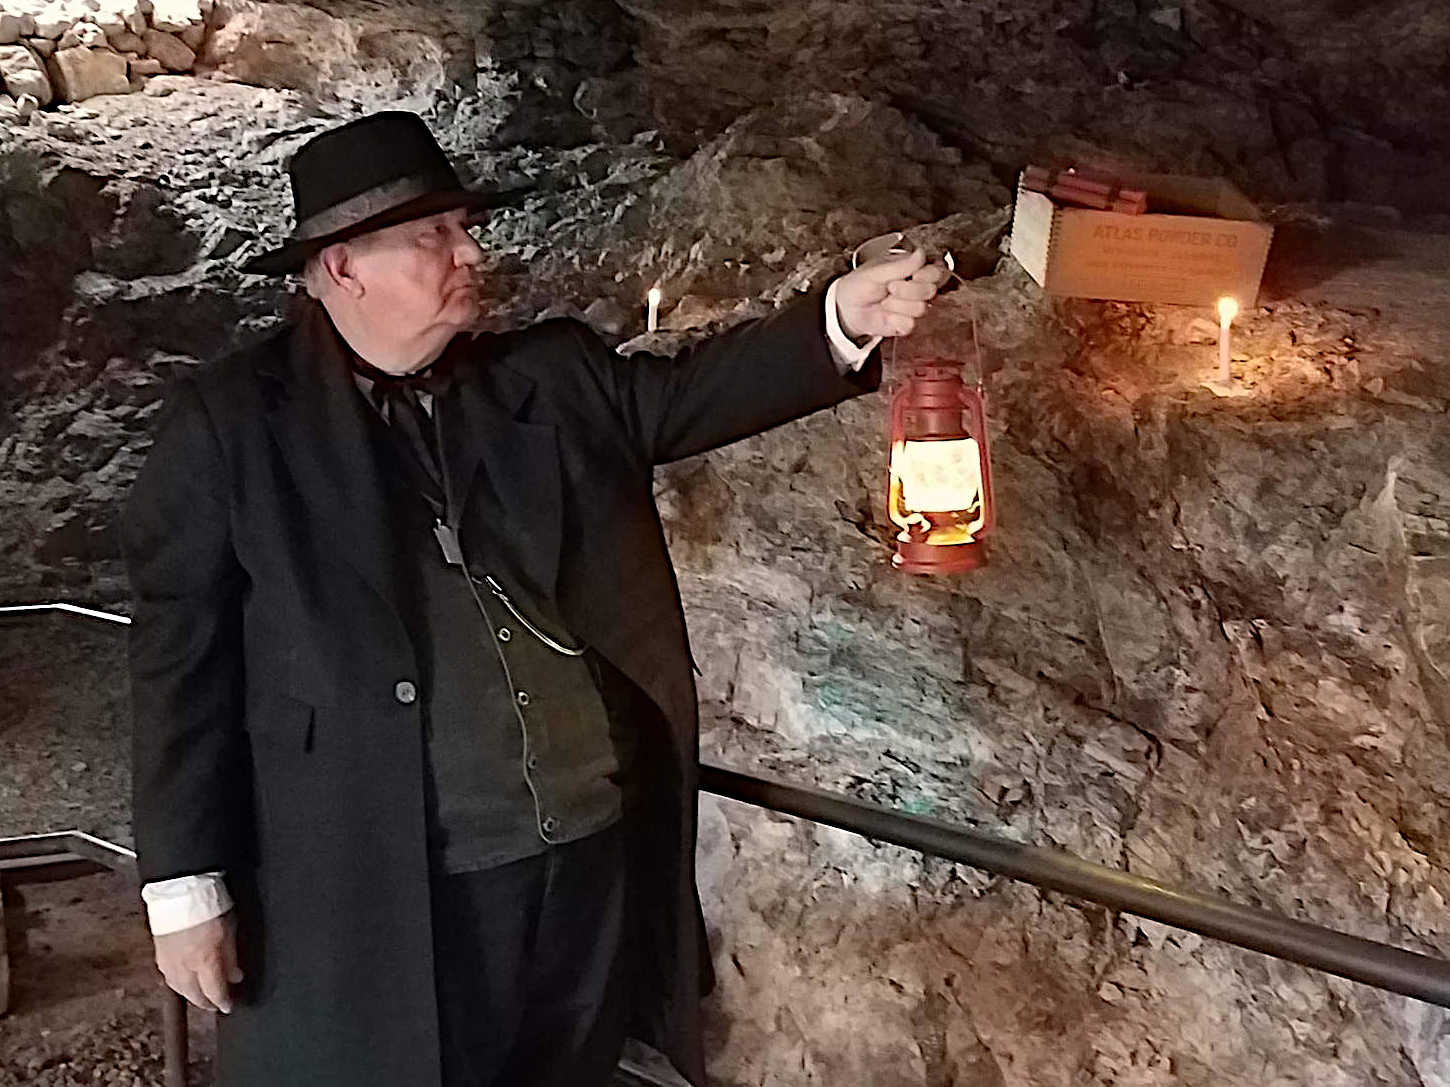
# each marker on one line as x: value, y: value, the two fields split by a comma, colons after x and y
x: 918, y: 805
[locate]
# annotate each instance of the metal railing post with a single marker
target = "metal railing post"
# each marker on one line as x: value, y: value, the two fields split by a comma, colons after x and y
x: 173, y: 1036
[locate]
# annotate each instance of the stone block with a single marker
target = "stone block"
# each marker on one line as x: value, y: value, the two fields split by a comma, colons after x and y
x: 109, y: 20
x: 43, y: 47
x: 24, y: 73
x: 175, y: 15
x: 9, y: 110
x: 10, y: 29
x: 193, y: 36
x: 146, y: 66
x: 83, y: 73
x: 169, y: 50
x: 53, y: 21
x: 136, y: 23
x: 126, y: 42
x: 27, y: 104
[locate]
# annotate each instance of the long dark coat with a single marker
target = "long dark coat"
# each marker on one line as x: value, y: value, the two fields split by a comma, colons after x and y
x: 268, y: 645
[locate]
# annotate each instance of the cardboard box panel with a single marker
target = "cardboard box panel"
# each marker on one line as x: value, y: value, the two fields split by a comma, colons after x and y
x: 1204, y: 240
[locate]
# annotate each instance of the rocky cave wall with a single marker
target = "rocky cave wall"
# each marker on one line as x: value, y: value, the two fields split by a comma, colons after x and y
x: 1211, y: 645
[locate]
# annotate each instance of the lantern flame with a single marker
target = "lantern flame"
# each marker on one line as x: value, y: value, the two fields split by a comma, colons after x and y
x: 936, y: 476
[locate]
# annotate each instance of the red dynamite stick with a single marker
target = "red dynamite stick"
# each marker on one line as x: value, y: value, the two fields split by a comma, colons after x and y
x: 1077, y: 196
x: 1036, y: 179
x: 1066, y: 181
x: 1101, y: 176
x: 1102, y: 188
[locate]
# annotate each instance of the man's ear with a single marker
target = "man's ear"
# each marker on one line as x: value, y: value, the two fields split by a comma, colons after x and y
x: 339, y: 268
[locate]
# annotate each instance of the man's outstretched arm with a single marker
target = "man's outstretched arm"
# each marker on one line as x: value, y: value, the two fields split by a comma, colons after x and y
x: 189, y: 760
x: 768, y: 371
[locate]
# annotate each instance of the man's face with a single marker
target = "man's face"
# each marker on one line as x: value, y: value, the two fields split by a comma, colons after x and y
x: 419, y: 275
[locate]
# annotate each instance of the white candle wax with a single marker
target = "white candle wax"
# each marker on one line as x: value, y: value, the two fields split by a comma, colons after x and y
x: 652, y: 317
x: 1228, y: 309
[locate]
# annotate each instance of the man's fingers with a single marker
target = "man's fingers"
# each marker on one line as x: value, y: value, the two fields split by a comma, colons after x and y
x: 188, y: 987
x: 230, y: 965
x: 214, y: 985
x: 935, y: 274
x: 912, y: 289
x: 884, y: 271
x: 904, y: 307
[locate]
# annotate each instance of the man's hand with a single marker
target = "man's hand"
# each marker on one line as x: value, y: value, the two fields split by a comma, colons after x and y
x: 200, y: 962
x: 887, y: 297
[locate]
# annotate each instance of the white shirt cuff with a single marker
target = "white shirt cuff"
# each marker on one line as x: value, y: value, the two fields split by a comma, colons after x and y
x: 175, y: 904
x: 848, y: 355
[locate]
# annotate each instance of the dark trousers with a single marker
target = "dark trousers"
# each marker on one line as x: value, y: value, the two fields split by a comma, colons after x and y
x: 530, y: 968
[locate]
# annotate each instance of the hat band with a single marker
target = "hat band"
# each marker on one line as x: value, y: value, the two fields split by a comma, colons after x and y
x: 366, y: 204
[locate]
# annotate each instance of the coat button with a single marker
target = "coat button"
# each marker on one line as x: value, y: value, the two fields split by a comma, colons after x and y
x: 523, y: 697
x: 504, y: 634
x: 405, y: 692
x: 532, y: 762
x: 550, y: 825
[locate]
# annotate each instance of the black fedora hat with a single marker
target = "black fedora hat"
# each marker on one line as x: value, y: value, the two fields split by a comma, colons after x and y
x: 374, y: 172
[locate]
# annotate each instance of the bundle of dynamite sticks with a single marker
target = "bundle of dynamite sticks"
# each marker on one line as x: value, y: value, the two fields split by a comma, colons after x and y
x: 1085, y: 189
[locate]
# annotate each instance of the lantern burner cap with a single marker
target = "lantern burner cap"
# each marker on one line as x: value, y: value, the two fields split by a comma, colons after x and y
x: 923, y: 558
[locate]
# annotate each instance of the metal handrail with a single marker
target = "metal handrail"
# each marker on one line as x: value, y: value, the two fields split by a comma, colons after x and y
x: 84, y: 846
x: 23, y: 610
x: 1369, y: 962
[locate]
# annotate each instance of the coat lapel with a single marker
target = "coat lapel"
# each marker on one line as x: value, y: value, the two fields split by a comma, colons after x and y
x: 322, y: 426
x: 504, y: 470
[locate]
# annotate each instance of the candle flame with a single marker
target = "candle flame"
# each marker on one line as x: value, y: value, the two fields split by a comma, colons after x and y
x: 1228, y: 309
x: 655, y: 294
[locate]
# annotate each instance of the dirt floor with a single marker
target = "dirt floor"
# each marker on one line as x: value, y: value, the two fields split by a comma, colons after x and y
x: 65, y: 728
x: 83, y: 990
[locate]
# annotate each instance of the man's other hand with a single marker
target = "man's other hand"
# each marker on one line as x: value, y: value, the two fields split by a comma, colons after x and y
x: 200, y: 962
x: 887, y: 297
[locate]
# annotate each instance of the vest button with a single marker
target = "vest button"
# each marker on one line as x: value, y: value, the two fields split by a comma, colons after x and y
x: 405, y: 692
x: 550, y: 825
x: 532, y: 762
x: 523, y: 697
x: 504, y: 634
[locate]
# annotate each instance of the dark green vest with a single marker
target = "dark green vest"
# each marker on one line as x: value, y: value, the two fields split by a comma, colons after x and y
x: 519, y: 743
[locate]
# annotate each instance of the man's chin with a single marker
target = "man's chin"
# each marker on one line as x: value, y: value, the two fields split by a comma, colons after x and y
x: 463, y: 308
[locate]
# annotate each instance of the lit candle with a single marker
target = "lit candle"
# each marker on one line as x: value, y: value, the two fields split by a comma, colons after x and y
x: 1228, y: 309
x: 652, y: 320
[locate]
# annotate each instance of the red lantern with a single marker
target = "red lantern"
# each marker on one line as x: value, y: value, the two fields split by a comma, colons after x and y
x: 940, y: 473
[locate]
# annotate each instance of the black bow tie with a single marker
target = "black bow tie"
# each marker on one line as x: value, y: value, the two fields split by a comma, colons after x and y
x: 434, y: 379
x: 396, y: 397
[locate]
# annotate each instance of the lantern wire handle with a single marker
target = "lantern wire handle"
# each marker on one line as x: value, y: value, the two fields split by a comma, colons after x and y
x: 977, y: 350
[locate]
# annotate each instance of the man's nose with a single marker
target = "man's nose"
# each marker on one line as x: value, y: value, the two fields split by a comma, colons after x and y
x: 466, y: 250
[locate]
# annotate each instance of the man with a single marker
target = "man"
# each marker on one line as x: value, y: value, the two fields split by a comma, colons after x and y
x: 415, y: 750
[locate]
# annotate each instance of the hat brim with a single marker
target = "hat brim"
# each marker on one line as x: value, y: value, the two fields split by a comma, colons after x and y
x: 293, y: 256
